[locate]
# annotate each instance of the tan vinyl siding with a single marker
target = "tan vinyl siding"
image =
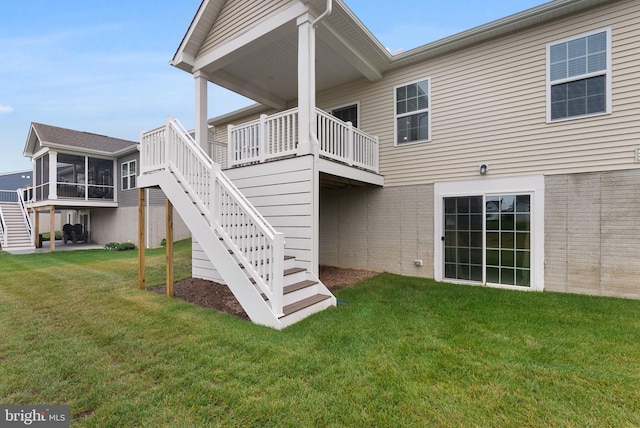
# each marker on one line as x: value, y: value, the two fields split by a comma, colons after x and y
x: 238, y: 16
x: 489, y: 106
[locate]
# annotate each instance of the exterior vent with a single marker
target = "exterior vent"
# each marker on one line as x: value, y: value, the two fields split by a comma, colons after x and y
x: 638, y: 154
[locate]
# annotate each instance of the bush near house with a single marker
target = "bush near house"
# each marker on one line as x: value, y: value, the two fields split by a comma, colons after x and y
x: 116, y: 246
x: 46, y: 236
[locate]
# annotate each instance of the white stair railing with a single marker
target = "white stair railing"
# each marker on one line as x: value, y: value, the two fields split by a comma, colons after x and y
x: 25, y: 215
x: 257, y: 246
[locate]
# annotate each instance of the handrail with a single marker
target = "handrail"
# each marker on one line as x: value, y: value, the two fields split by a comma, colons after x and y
x: 25, y: 215
x: 342, y: 142
x: 276, y: 136
x: 256, y: 244
x: 5, y: 240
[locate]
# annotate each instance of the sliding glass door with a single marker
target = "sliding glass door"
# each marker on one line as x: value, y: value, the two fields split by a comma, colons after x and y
x: 487, y: 239
x: 463, y: 238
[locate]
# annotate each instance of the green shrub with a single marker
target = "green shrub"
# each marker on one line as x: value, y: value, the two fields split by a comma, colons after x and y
x: 115, y: 246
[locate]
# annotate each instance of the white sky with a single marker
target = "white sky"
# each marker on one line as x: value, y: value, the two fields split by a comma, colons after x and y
x: 102, y: 65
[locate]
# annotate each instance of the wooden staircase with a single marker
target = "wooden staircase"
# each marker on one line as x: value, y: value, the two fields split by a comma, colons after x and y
x: 15, y: 228
x: 246, y: 252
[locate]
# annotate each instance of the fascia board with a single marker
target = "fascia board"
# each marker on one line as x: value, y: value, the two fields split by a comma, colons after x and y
x: 225, y: 53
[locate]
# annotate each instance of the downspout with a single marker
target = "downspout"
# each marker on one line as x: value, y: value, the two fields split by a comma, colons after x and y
x: 324, y: 14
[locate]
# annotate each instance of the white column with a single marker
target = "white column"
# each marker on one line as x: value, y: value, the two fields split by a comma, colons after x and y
x: 53, y: 175
x: 306, y: 83
x: 202, y: 127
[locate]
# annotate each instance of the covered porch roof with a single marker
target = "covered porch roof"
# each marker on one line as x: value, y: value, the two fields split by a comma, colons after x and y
x: 261, y: 62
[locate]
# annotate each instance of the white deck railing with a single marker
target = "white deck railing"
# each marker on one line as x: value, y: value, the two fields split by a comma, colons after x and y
x: 25, y: 215
x: 266, y: 138
x: 259, y: 248
x: 276, y: 136
x: 342, y: 142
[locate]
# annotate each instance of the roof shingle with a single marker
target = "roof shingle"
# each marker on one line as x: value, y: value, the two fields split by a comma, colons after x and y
x: 80, y: 139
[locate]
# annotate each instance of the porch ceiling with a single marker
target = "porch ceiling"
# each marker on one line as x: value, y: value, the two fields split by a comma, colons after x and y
x: 266, y: 69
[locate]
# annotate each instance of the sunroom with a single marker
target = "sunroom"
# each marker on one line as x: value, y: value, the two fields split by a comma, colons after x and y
x: 77, y: 169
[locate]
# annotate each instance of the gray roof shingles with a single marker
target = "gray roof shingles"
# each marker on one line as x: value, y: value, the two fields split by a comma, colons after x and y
x: 81, y: 140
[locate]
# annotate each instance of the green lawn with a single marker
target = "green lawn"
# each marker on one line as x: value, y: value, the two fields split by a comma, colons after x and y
x: 397, y: 352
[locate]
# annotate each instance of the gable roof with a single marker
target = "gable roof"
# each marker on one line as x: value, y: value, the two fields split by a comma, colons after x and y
x: 80, y: 141
x: 345, y: 49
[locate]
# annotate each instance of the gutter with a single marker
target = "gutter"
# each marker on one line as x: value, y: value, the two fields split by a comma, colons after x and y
x: 324, y: 14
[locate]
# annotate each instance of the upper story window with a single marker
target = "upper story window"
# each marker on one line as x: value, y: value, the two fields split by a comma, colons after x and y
x: 128, y: 175
x: 579, y: 76
x: 413, y: 112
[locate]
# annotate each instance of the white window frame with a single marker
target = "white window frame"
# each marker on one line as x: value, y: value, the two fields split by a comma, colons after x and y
x: 396, y: 116
x: 531, y: 185
x: 607, y: 73
x: 129, y: 175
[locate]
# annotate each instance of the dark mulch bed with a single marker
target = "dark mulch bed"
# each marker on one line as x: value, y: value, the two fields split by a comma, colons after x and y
x: 209, y: 294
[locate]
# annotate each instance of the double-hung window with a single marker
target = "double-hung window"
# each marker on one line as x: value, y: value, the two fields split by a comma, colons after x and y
x: 128, y: 175
x: 413, y: 112
x: 579, y: 76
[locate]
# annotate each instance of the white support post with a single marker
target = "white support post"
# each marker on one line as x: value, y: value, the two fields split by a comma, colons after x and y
x: 168, y: 143
x: 306, y: 83
x: 262, y: 139
x: 53, y: 175
x: 231, y: 147
x: 202, y: 127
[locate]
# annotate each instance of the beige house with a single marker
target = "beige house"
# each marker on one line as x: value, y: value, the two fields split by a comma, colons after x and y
x: 506, y: 155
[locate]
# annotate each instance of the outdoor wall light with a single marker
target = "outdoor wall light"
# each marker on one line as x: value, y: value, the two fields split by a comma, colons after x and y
x: 483, y: 168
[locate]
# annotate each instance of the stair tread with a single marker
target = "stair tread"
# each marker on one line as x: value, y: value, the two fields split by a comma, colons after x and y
x: 298, y: 286
x: 293, y: 270
x: 304, y: 303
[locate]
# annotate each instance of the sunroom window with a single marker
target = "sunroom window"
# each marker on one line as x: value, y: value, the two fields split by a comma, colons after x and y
x: 412, y: 119
x: 579, y: 76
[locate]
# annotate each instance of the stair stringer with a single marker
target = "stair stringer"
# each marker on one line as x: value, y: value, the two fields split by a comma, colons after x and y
x: 247, y: 295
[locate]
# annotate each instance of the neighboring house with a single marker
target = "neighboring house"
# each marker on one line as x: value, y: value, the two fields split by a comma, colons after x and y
x: 10, y: 181
x: 91, y: 180
x: 506, y: 155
